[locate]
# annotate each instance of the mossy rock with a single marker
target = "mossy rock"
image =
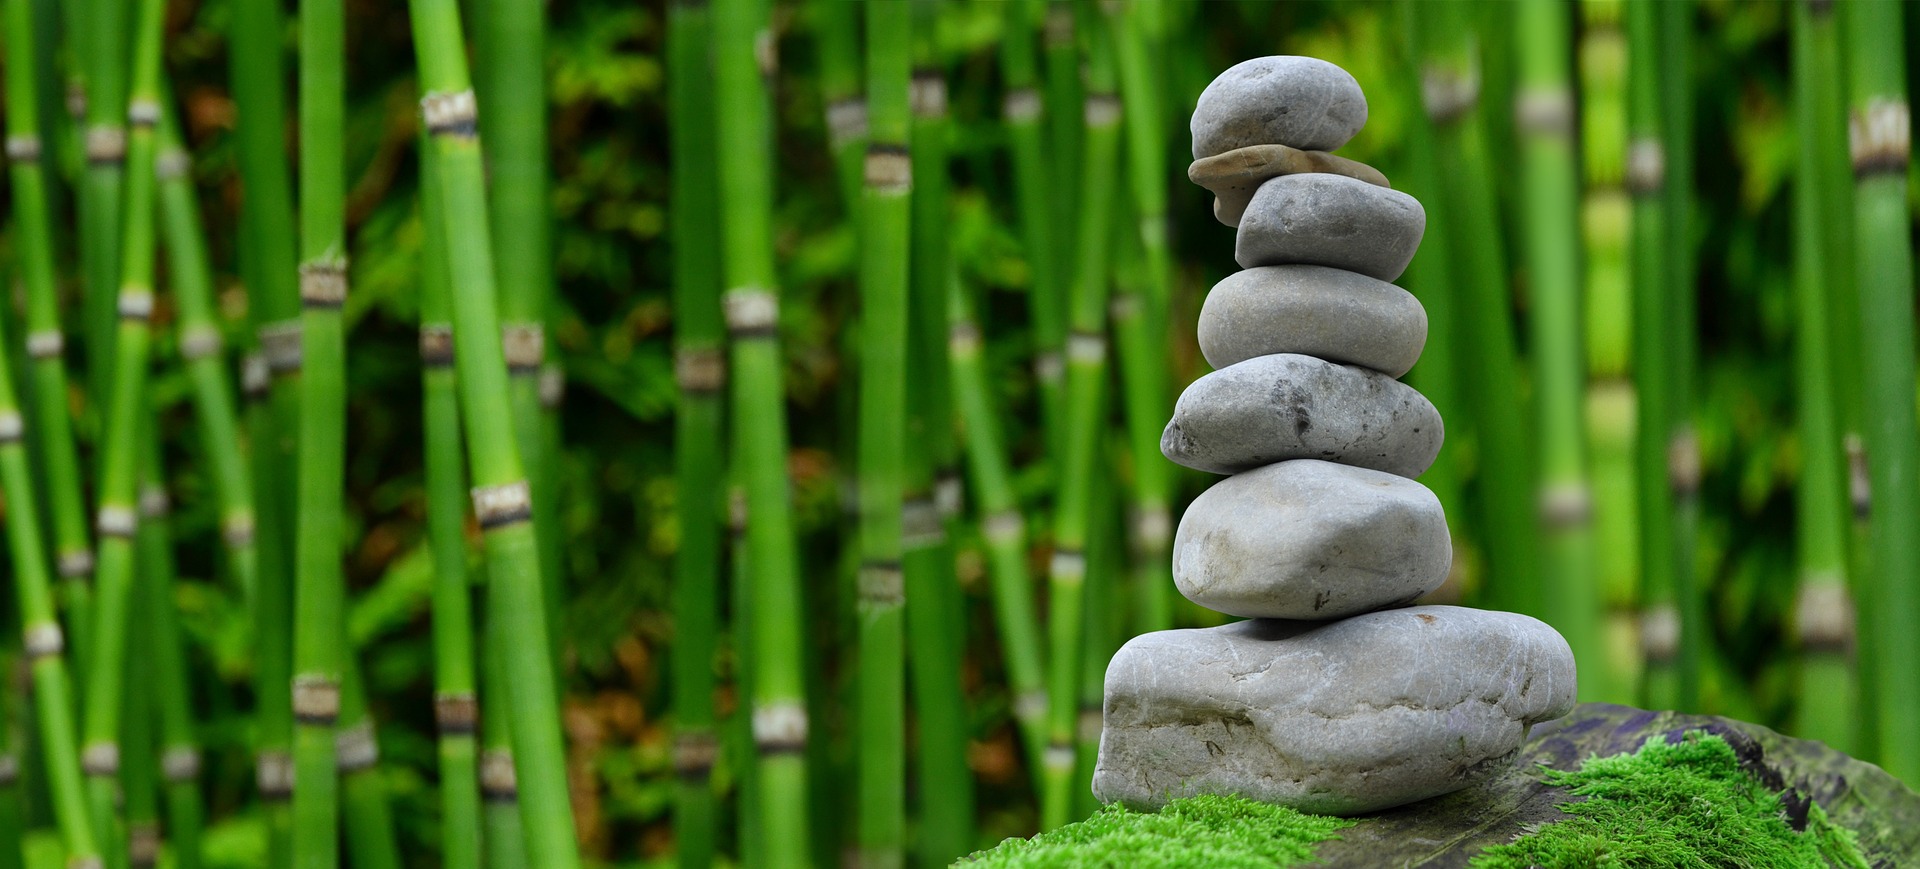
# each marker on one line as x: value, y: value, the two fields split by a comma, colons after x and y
x: 1747, y: 796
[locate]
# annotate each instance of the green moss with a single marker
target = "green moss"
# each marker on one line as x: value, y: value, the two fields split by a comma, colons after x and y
x: 1210, y: 831
x: 1685, y: 804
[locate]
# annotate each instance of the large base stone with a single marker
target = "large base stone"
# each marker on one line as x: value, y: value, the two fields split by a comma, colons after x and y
x: 1343, y: 718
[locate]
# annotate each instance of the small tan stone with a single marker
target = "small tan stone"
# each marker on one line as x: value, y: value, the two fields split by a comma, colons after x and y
x: 1234, y: 176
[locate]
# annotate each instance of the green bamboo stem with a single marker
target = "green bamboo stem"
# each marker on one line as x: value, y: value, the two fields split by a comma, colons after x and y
x: 500, y: 497
x: 1065, y: 89
x: 1085, y: 396
x: 104, y: 51
x: 368, y: 819
x: 13, y: 811
x: 51, y: 418
x: 269, y: 264
x: 1880, y: 151
x: 842, y: 94
x: 504, y: 845
x: 172, y: 701
x: 1140, y: 325
x: 319, y: 632
x: 1024, y: 115
x: 773, y: 630
x: 140, y: 764
x: 127, y: 415
x: 1003, y: 527
x: 936, y: 610
x: 1550, y: 183
x: 42, y: 638
x: 1827, y: 699
x: 456, y: 709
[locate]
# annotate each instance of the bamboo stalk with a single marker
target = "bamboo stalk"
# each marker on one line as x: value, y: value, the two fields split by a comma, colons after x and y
x: 842, y: 95
x: 1880, y: 148
x: 774, y: 651
x: 139, y: 782
x: 368, y: 821
x: 179, y: 759
x: 505, y: 843
x: 500, y: 497
x: 1024, y: 115
x: 1064, y: 57
x: 103, y: 38
x: 1086, y: 397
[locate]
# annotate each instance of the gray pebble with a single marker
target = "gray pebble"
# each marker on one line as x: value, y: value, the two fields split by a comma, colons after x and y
x: 1337, y: 315
x: 1311, y: 540
x: 1300, y: 102
x: 1287, y: 406
x: 1342, y: 717
x: 1330, y: 220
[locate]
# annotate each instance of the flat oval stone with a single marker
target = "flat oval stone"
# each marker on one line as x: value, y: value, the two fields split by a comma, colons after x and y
x: 1330, y: 220
x: 1288, y: 406
x: 1301, y: 102
x: 1341, y: 718
x: 1235, y: 175
x: 1337, y: 315
x: 1311, y: 540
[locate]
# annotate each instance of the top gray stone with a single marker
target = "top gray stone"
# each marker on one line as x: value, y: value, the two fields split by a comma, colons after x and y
x: 1300, y: 102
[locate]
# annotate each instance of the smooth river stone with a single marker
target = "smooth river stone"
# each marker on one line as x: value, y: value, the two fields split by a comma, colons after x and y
x: 1311, y: 540
x: 1300, y: 102
x: 1341, y: 718
x: 1330, y: 220
x: 1337, y: 315
x: 1288, y: 406
x: 1235, y: 175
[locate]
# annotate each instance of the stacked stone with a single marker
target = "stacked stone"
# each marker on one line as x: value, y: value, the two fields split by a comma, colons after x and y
x: 1337, y: 695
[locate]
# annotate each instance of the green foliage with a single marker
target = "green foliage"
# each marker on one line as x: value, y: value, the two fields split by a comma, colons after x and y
x: 1684, y: 804
x: 1206, y: 830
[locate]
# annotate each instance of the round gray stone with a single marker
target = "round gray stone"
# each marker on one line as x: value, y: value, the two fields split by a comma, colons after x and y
x: 1311, y: 540
x: 1300, y: 102
x: 1337, y: 315
x: 1342, y: 717
x: 1330, y: 220
x: 1287, y: 406
x: 1234, y: 176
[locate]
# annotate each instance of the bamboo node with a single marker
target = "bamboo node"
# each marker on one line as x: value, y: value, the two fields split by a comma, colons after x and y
x: 1087, y: 348
x: 502, y: 505
x: 1067, y: 567
x: 76, y: 564
x: 1058, y: 756
x: 1020, y: 105
x: 1683, y: 462
x: 12, y: 427
x: 43, y: 640
x: 524, y: 345
x: 846, y: 122
x: 1646, y: 166
x: 135, y: 303
x: 751, y: 312
x: 46, y: 344
x: 920, y: 524
x: 1101, y: 110
x: 9, y: 770
x: 1880, y: 138
x: 76, y: 99
x: 1003, y: 526
x: 1448, y: 94
x: 355, y: 748
x: 1153, y: 527
x: 1059, y: 26
x: 928, y: 94
x: 23, y: 148
x: 700, y: 370
x: 1089, y: 724
x: 199, y: 342
x: 280, y: 343
x: 143, y: 843
x: 963, y: 339
x: 171, y: 165
x: 1048, y: 367
x: 1031, y: 705
x: 766, y: 53
x: 181, y: 763
x: 454, y: 114
x: 106, y: 145
x: 1660, y: 634
x: 115, y: 520
x: 882, y: 583
x: 1820, y: 7
x: 316, y: 700
x: 694, y: 753
x: 1824, y: 615
x: 1544, y: 110
x: 888, y: 169
x: 85, y: 863
x: 273, y: 775
x: 143, y: 113
x: 1124, y: 306
x: 1859, y: 485
x: 100, y: 759
x: 154, y: 503
x: 323, y: 285
x: 498, y: 784
x: 436, y: 345
x: 237, y: 530
x: 1566, y: 505
x: 949, y: 494
x: 456, y: 714
x: 553, y: 386
x: 737, y: 512
x: 254, y: 377
x: 780, y: 728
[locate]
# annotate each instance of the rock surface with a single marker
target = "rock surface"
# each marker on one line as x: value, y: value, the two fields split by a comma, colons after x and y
x: 1287, y: 406
x: 1235, y: 175
x: 1336, y: 315
x: 1311, y: 540
x: 1353, y: 716
x: 1330, y: 220
x: 1301, y: 102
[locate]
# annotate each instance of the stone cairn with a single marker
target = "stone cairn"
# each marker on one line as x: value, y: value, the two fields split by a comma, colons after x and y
x: 1337, y: 695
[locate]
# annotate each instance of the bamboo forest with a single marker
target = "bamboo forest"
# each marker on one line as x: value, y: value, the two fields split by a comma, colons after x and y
x: 583, y: 433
